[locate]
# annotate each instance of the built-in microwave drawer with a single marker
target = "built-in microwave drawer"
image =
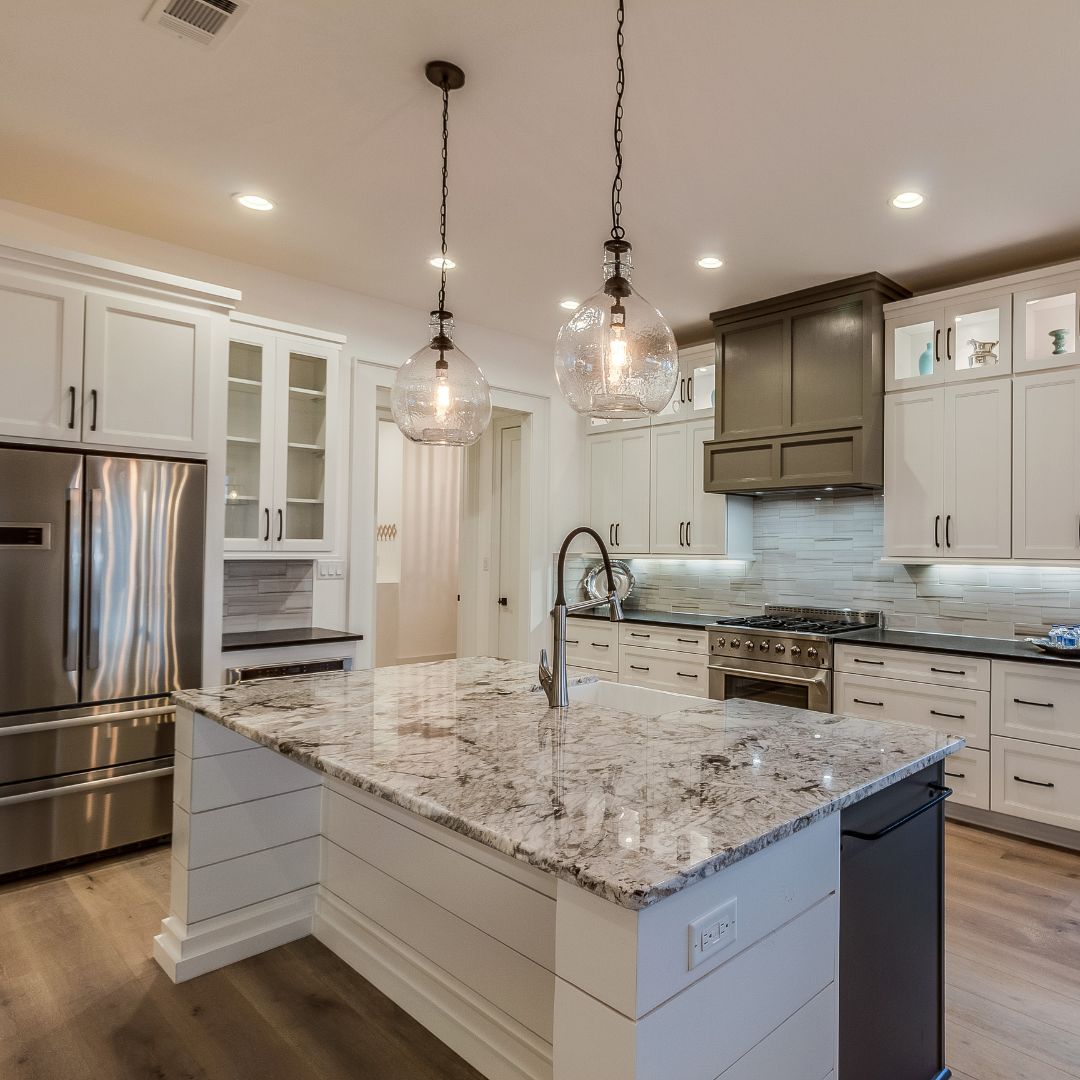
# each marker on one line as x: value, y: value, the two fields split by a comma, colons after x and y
x: 942, y: 669
x: 1037, y: 782
x: 592, y: 643
x: 967, y: 772
x: 944, y: 708
x: 664, y: 637
x: 1038, y: 702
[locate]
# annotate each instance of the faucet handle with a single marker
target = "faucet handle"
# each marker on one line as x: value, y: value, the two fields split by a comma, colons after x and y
x: 616, y: 607
x: 545, y: 671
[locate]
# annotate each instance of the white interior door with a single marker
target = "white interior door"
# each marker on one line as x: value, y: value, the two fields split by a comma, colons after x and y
x: 509, y: 553
x: 914, y: 473
x: 633, y: 492
x: 671, y: 503
x: 1046, y: 466
x: 708, y: 514
x: 978, y: 470
x: 147, y: 375
x: 41, y: 359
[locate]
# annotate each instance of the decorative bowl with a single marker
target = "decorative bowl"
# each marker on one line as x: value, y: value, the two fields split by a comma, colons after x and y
x: 1047, y: 646
x: 596, y: 580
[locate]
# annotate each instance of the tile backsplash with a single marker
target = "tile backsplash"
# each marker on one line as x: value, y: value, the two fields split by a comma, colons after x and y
x: 267, y: 594
x: 825, y: 552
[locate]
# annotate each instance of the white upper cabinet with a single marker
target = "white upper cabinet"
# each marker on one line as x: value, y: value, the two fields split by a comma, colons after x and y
x: 914, y: 473
x: 672, y: 501
x: 146, y: 375
x: 695, y: 396
x: 617, y: 464
x: 41, y: 359
x: 913, y: 351
x: 282, y: 438
x: 1046, y: 324
x: 1046, y: 465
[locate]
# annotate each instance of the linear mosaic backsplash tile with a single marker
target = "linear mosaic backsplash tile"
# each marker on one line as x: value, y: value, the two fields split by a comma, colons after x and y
x: 826, y: 552
x: 267, y: 595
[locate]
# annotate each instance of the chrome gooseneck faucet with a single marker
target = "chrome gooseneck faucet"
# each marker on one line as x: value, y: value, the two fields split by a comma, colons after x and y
x: 553, y: 677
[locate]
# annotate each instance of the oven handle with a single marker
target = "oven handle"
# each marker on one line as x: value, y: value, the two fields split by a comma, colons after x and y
x: 86, y: 786
x: 87, y: 721
x: 796, y: 680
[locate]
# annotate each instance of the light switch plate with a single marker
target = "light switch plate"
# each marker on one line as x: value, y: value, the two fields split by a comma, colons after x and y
x: 712, y: 933
x: 331, y: 568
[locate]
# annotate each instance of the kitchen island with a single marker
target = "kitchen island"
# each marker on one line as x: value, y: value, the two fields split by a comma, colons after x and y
x: 584, y: 893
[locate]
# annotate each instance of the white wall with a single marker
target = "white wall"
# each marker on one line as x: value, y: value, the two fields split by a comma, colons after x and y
x: 377, y: 330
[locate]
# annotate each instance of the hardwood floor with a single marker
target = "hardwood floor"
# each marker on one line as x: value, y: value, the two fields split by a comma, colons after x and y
x: 81, y: 998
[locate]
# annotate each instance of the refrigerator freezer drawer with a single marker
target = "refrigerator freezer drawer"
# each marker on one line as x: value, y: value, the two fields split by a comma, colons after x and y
x: 50, y: 821
x: 90, y: 737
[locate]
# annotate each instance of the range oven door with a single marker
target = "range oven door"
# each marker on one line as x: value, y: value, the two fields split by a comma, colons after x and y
x: 774, y: 684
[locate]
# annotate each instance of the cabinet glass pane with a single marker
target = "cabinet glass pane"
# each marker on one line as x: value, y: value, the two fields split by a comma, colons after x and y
x: 1049, y: 324
x: 703, y: 388
x: 913, y: 350
x: 976, y: 339
x: 306, y: 475
x: 243, y: 449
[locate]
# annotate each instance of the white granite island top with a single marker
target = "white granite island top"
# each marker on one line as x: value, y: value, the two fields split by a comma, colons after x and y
x: 629, y: 807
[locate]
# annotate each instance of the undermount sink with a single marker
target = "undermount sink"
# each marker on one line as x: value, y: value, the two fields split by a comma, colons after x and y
x: 633, y: 699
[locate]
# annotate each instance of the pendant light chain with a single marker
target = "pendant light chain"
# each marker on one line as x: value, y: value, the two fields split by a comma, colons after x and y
x: 617, y: 231
x: 445, y: 193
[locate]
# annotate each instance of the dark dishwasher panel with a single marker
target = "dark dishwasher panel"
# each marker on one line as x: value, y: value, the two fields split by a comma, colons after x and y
x: 892, y: 935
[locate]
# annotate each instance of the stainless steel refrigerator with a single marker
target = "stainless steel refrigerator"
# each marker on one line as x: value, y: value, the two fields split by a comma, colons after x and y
x: 101, y: 580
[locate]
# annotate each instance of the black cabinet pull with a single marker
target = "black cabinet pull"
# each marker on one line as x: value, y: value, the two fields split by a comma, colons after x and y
x: 690, y: 390
x: 948, y: 533
x: 937, y: 346
x: 637, y: 667
x: 280, y: 525
x: 71, y: 407
x: 687, y: 640
x: 599, y: 645
x: 266, y: 530
x: 942, y: 794
x: 611, y: 535
x: 1037, y: 704
x: 957, y: 775
x: 948, y: 715
x: 682, y: 390
x: 861, y: 701
x: 948, y: 343
x: 1033, y: 783
x: 947, y: 671
x: 876, y: 663
x: 572, y: 641
x: 634, y: 634
x: 617, y: 524
x: 688, y: 534
x: 682, y: 526
x: 937, y: 531
x: 683, y: 675
x: 93, y: 415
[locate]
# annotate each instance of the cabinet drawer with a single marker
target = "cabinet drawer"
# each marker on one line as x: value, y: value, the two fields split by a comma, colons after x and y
x: 592, y: 643
x: 941, y: 669
x: 967, y: 772
x: 1039, y: 702
x: 1037, y: 782
x: 664, y: 637
x: 684, y: 673
x: 945, y: 708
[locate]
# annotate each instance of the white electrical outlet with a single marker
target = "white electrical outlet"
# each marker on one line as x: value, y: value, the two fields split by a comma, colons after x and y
x: 712, y: 933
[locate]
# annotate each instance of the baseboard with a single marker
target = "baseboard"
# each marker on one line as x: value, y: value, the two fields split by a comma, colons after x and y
x: 187, y: 951
x: 487, y: 1038
x: 1014, y: 826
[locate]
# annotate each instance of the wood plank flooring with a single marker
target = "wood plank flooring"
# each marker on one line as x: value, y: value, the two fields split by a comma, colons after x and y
x: 82, y: 999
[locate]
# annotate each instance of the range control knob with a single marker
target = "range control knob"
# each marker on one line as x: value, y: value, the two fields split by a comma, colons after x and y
x: 812, y: 653
x: 749, y: 645
x: 796, y: 651
x: 735, y: 642
x: 779, y: 647
x: 764, y: 646
x: 721, y: 642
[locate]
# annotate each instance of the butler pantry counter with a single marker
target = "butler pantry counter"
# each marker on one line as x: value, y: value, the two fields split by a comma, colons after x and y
x: 636, y: 886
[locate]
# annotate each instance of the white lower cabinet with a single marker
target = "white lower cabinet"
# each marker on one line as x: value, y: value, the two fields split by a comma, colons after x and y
x: 683, y: 673
x: 1035, y: 781
x: 967, y: 772
x: 592, y: 643
x: 1038, y: 702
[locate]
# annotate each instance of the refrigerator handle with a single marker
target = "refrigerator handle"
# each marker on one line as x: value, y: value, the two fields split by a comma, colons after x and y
x: 74, y: 579
x: 93, y: 639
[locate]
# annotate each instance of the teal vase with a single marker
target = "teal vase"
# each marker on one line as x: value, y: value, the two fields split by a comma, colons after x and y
x: 926, y: 360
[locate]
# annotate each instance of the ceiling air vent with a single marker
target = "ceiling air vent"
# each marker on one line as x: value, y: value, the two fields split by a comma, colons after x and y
x: 205, y: 21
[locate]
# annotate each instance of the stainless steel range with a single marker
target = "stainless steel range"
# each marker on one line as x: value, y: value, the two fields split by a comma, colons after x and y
x: 784, y: 657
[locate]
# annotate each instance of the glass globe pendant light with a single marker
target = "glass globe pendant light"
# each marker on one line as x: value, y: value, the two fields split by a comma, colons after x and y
x: 616, y: 357
x: 440, y: 397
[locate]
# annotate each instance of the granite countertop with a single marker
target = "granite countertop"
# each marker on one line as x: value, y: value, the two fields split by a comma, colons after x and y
x: 677, y: 619
x: 270, y: 639
x: 629, y: 807
x: 992, y: 648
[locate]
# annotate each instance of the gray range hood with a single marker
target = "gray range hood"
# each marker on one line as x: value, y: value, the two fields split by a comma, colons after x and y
x: 800, y: 390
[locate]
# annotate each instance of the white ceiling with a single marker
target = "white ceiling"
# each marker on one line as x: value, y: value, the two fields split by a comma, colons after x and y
x: 771, y: 132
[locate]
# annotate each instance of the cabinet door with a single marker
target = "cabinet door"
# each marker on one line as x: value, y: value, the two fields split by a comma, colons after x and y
x: 147, y: 375
x: 307, y: 442
x: 671, y: 479
x: 914, y: 349
x: 249, y: 440
x: 1046, y: 466
x: 914, y: 472
x: 1045, y: 326
x: 41, y: 359
x: 978, y: 337
x: 632, y: 519
x: 603, y: 466
x: 694, y: 397
x: 708, y: 512
x: 978, y: 470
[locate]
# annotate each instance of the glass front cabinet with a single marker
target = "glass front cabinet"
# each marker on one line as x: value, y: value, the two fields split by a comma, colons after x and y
x: 281, y: 438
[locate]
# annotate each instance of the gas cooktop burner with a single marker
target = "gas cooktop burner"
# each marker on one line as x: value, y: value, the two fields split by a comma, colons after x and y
x: 827, y: 622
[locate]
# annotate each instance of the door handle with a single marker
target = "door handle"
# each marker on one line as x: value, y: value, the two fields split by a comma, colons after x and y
x: 942, y: 794
x: 280, y: 525
x: 948, y: 715
x: 503, y: 601
x: 86, y: 786
x: 863, y: 701
x: 682, y: 527
x: 687, y: 641
x: 948, y: 343
x: 937, y: 346
x: 611, y: 535
x: 93, y: 414
x: 947, y: 671
x: 97, y: 559
x: 1037, y: 704
x: 682, y: 391
x: 71, y: 406
x: 632, y: 634
x: 937, y: 531
x: 956, y: 775
x: 690, y: 390
x: 875, y: 663
x: 948, y: 525
x: 688, y: 543
x: 266, y: 528
x: 617, y: 524
x: 638, y: 667
x: 684, y: 675
x: 74, y: 579
x: 1034, y: 783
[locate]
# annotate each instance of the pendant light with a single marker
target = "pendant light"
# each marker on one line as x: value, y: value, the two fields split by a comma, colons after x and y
x: 616, y: 357
x: 440, y: 397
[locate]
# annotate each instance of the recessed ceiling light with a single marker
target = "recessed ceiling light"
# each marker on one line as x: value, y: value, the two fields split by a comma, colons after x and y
x: 439, y: 262
x: 254, y: 202
x: 569, y: 304
x: 907, y: 200
x: 710, y: 262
